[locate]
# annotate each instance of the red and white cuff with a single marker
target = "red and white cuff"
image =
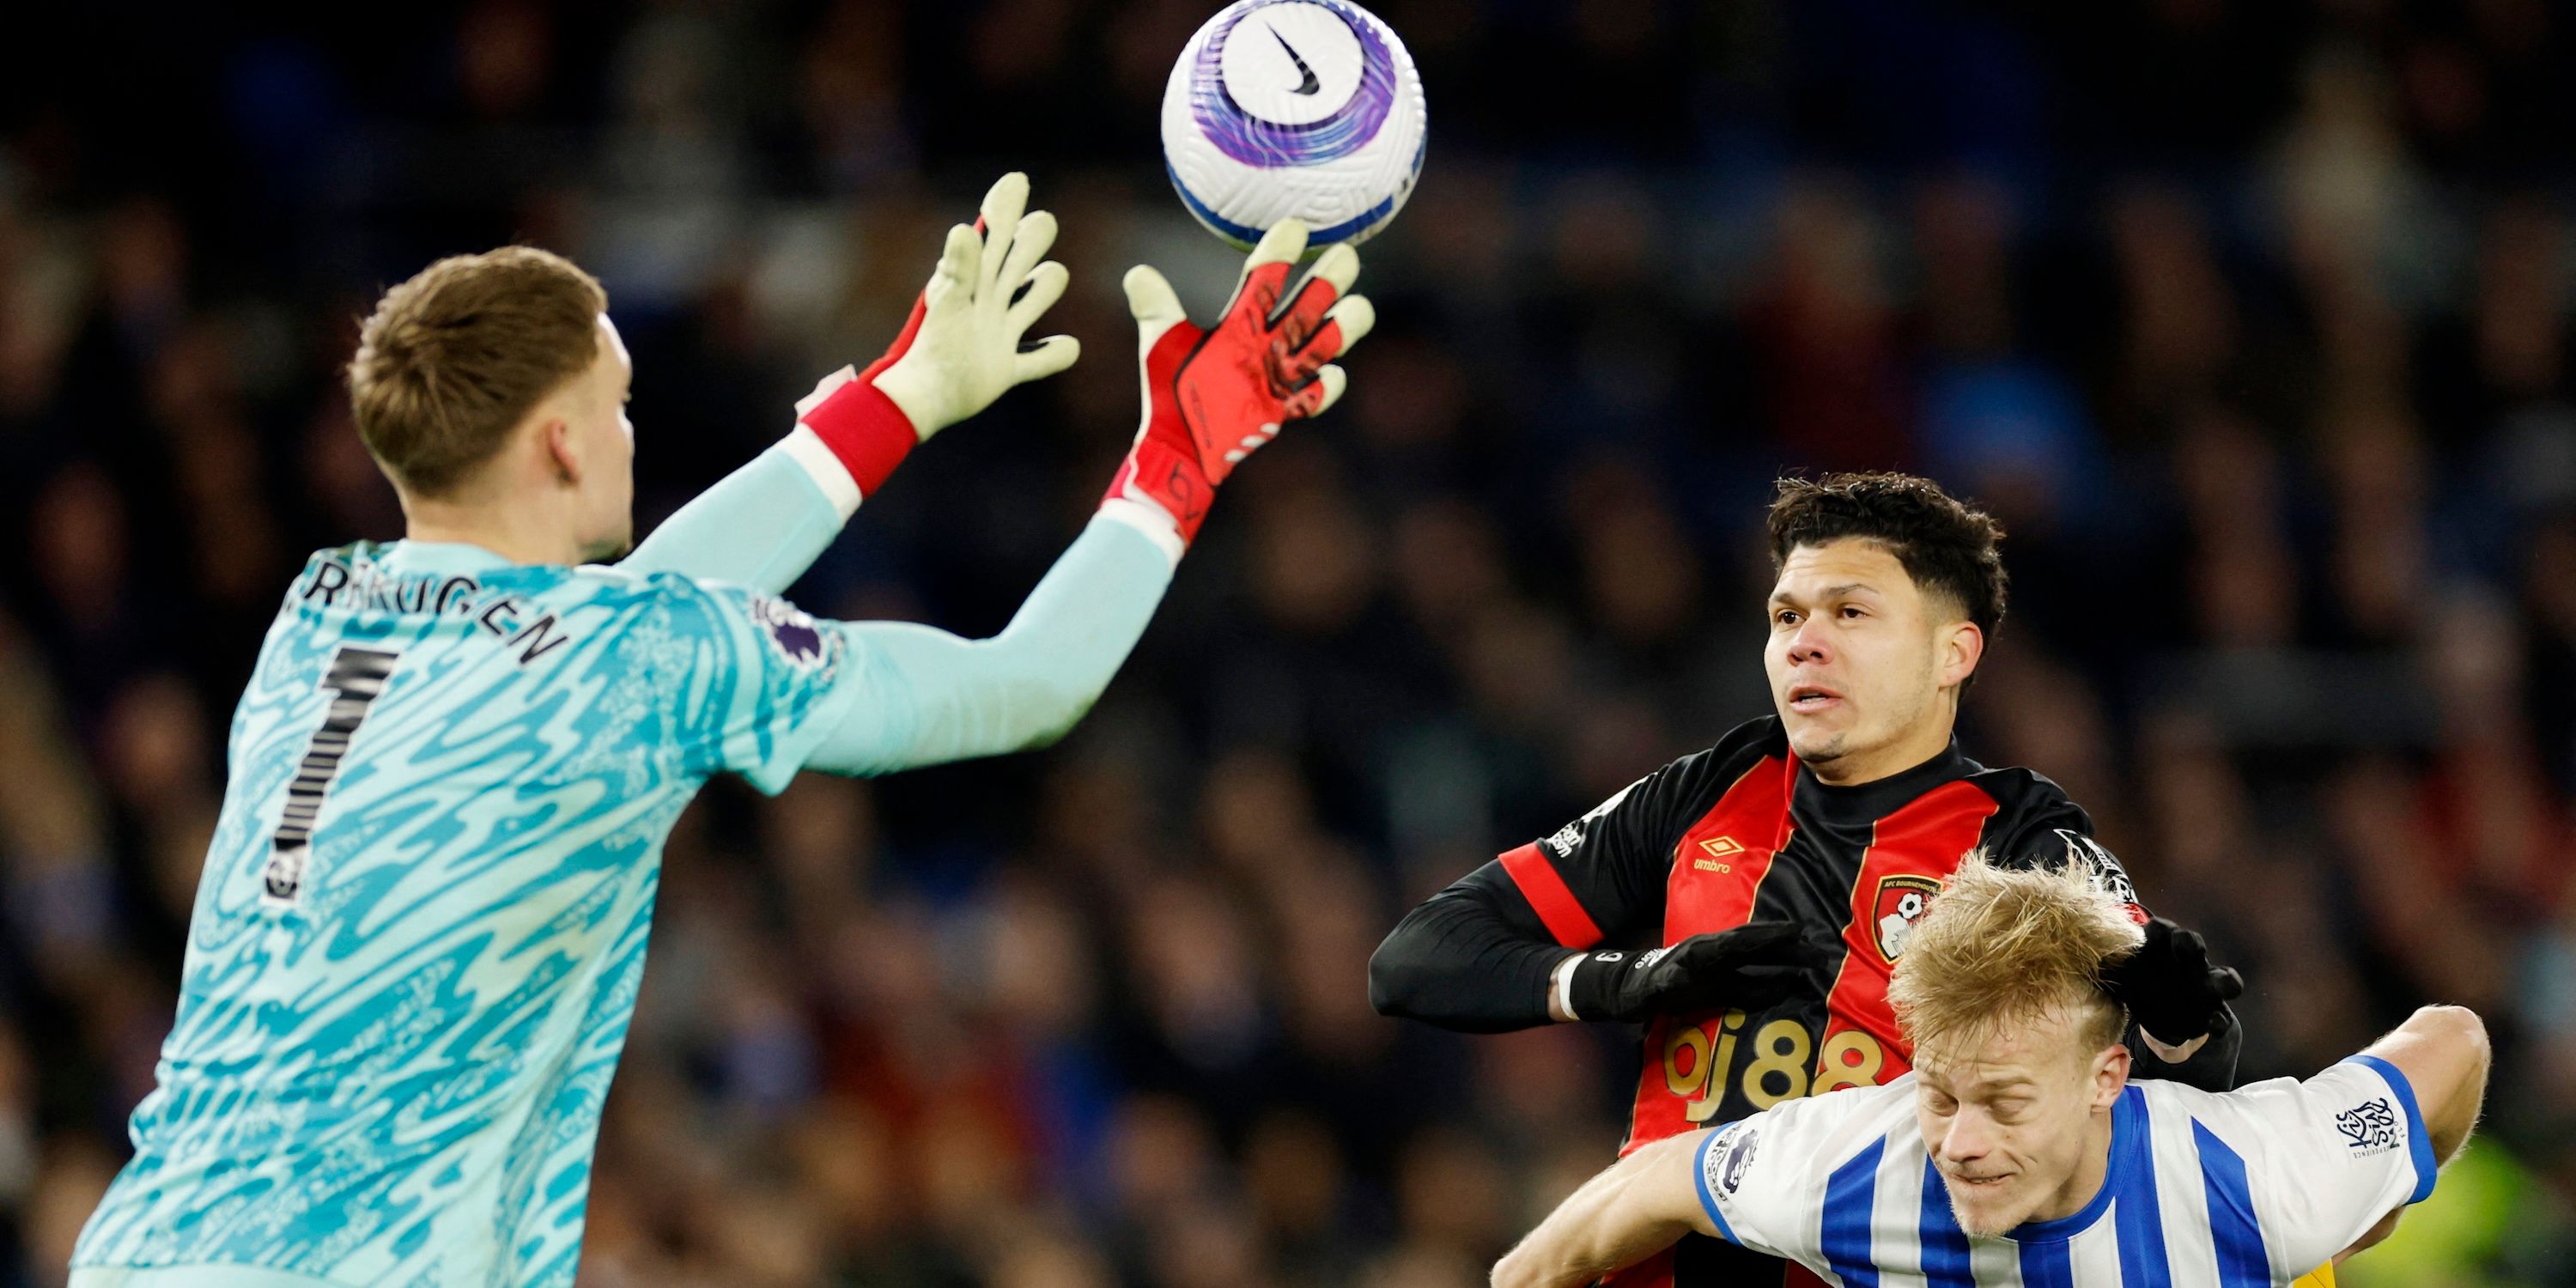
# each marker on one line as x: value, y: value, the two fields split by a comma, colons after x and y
x: 862, y: 432
x: 1150, y: 519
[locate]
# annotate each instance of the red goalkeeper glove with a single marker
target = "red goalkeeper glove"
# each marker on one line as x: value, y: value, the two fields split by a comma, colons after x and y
x: 1214, y: 396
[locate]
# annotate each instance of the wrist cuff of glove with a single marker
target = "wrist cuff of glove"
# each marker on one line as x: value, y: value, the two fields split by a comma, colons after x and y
x: 1149, y: 521
x: 1592, y: 989
x: 1168, y: 480
x: 867, y: 433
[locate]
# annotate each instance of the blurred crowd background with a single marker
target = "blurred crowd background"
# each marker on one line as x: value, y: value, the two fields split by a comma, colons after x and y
x: 2250, y: 320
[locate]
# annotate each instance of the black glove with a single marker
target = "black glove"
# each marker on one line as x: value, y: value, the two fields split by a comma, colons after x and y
x: 2169, y: 986
x: 1749, y: 967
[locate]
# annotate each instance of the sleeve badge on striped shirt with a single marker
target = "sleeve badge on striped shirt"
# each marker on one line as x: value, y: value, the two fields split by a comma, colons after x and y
x: 1731, y: 1157
x: 2370, y: 1127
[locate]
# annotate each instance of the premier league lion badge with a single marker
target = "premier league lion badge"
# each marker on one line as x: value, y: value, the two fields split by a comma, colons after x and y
x: 791, y: 630
x: 1724, y: 1165
x: 1902, y: 901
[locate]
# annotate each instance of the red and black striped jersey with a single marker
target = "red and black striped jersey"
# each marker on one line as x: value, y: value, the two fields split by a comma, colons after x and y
x: 1740, y: 832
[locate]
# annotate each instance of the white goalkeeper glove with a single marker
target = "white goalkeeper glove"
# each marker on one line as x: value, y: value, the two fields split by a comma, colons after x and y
x: 960, y: 349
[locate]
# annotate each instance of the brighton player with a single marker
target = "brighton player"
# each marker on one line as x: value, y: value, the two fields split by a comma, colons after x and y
x: 1783, y: 870
x: 422, y: 921
x: 2019, y: 1153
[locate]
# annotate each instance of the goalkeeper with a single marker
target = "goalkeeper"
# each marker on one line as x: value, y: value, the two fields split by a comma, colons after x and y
x: 422, y: 919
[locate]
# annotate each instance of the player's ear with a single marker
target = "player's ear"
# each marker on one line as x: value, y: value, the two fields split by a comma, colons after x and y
x: 2110, y: 1074
x: 554, y: 441
x: 1962, y: 646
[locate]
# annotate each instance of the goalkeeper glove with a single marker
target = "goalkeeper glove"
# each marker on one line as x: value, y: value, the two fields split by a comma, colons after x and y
x: 961, y: 347
x: 1213, y: 396
x: 2169, y: 986
x: 1747, y: 968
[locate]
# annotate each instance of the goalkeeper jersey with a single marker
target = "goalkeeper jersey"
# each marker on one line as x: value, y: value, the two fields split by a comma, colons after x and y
x: 421, y: 924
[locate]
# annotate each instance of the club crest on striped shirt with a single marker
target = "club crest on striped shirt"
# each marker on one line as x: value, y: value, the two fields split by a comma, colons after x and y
x: 1902, y: 900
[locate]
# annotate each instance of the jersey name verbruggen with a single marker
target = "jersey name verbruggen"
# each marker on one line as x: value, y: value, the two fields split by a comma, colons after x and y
x: 422, y: 921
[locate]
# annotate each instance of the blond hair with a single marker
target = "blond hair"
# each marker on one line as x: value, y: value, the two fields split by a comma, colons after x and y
x: 452, y: 359
x: 2003, y: 945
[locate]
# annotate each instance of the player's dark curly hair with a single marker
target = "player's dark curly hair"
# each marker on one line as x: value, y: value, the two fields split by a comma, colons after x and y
x: 1947, y: 546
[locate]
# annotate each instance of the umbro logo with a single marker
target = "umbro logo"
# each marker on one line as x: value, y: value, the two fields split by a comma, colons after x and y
x: 1718, y: 848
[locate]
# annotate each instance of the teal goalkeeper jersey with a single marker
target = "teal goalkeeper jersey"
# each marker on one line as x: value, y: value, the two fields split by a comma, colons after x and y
x: 420, y: 929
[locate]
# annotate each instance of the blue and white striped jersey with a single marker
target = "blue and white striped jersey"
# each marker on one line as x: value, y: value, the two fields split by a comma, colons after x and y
x: 2252, y: 1187
x: 422, y: 920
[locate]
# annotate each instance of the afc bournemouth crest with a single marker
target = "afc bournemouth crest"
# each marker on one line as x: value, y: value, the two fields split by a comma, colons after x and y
x: 1902, y: 901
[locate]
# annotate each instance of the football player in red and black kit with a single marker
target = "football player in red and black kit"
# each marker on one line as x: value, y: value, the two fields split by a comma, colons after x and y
x: 1781, y: 870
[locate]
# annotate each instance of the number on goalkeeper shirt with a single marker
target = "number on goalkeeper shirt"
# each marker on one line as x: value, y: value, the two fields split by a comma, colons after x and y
x: 357, y: 676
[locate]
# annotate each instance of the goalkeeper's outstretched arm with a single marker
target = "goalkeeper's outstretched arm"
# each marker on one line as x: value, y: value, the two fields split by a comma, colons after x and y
x: 761, y: 526
x: 1213, y: 397
x: 930, y: 697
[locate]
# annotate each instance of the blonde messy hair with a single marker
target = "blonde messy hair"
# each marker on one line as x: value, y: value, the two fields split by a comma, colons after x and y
x: 2004, y: 945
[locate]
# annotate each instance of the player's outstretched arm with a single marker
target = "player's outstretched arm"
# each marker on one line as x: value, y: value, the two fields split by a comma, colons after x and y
x: 2443, y: 1052
x: 1511, y: 944
x: 929, y: 697
x: 1638, y: 1206
x: 1213, y: 397
x: 761, y: 526
x: 765, y: 524
x: 1463, y: 961
x: 2344, y: 1152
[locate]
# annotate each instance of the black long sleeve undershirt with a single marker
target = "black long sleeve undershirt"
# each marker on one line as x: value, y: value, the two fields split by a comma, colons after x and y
x: 1465, y: 961
x: 1472, y: 959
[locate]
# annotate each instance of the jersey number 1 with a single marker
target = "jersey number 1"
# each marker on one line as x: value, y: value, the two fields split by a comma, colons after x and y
x: 356, y: 677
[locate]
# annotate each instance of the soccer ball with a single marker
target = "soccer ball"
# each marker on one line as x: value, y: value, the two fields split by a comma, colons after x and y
x: 1294, y: 108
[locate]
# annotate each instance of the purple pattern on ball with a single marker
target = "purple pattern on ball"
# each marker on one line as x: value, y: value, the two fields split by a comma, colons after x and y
x: 1269, y: 144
